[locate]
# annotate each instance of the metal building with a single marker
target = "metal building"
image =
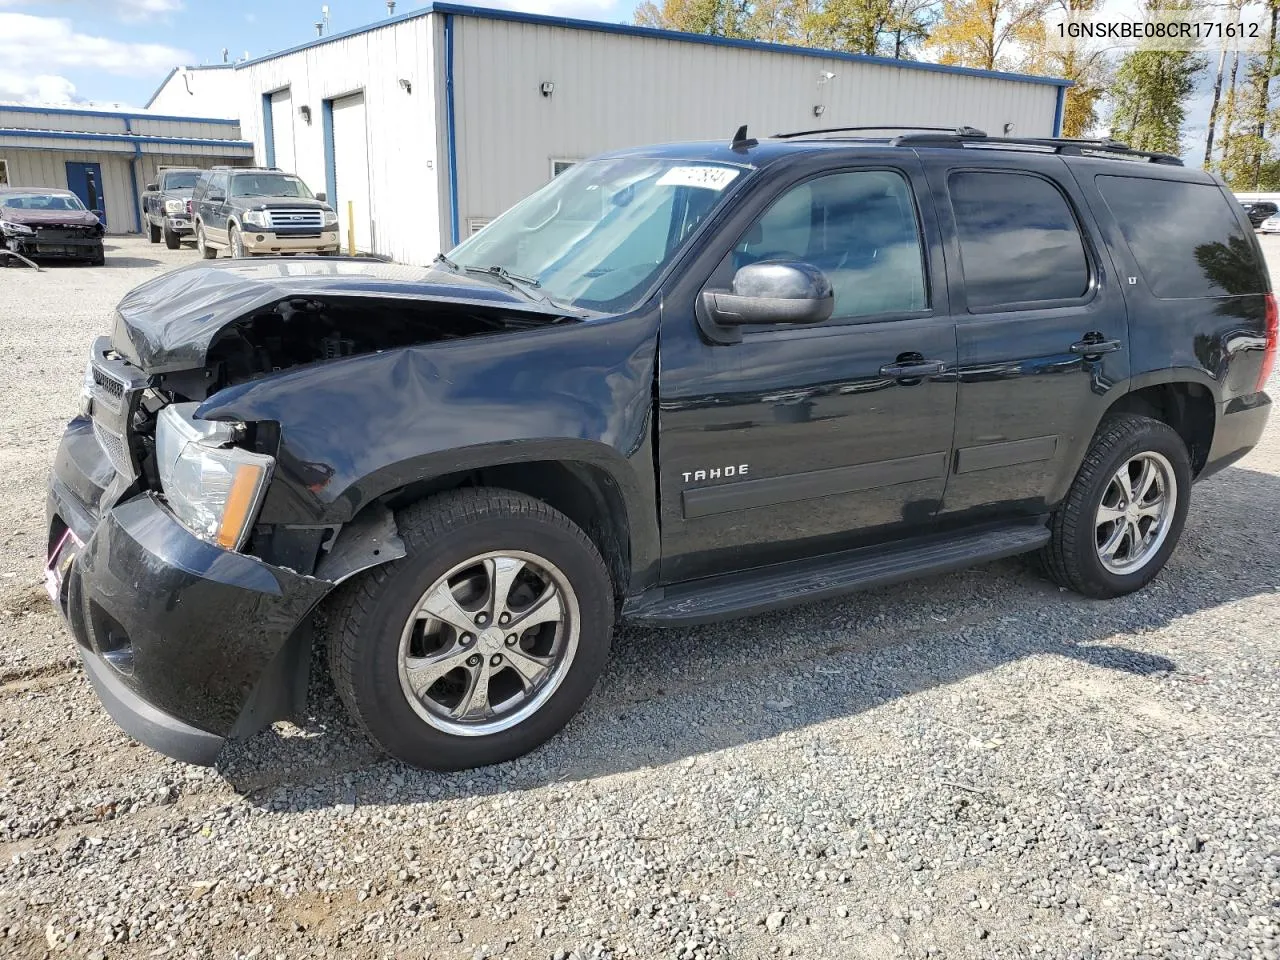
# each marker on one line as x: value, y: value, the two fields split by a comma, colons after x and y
x: 432, y: 122
x: 107, y: 158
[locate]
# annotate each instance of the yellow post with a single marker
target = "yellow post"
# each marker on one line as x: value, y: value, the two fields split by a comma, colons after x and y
x: 351, y: 227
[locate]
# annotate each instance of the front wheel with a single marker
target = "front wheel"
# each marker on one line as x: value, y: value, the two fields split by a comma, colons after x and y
x: 235, y: 240
x: 1124, y: 512
x: 172, y: 240
x: 483, y: 640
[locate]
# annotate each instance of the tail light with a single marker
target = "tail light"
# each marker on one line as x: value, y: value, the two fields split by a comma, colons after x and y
x: 190, y: 209
x: 1273, y: 334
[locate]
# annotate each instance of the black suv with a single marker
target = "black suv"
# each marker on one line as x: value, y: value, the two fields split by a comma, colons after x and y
x: 677, y: 384
x: 260, y: 210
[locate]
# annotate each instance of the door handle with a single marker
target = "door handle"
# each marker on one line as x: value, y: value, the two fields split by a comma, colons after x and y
x: 1089, y: 347
x: 913, y: 370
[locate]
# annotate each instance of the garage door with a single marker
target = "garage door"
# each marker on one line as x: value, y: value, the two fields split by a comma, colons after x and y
x: 351, y: 169
x: 282, y: 130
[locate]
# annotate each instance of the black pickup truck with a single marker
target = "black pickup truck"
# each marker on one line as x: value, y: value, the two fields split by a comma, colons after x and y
x: 677, y: 384
x: 165, y: 205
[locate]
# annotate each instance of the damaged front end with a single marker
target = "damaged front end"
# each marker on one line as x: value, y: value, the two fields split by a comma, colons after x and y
x: 191, y: 608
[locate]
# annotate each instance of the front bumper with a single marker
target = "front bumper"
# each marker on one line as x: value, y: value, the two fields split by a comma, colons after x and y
x: 264, y: 241
x: 187, y: 644
x: 1240, y: 426
x: 179, y: 225
x: 70, y: 248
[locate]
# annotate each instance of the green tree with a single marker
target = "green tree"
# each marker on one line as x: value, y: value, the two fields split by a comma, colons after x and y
x: 724, y: 18
x: 1249, y: 159
x: 1082, y: 62
x: 1151, y: 90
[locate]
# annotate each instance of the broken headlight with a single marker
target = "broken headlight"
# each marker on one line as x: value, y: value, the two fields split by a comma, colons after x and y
x: 16, y: 229
x: 86, y: 391
x: 212, y: 487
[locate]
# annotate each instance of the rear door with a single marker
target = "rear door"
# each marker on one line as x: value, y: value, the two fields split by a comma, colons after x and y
x: 1041, y: 328
x: 799, y: 441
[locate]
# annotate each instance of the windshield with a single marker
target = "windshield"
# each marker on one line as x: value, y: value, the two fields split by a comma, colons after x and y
x: 268, y: 185
x: 598, y: 235
x: 41, y: 201
x: 181, y: 181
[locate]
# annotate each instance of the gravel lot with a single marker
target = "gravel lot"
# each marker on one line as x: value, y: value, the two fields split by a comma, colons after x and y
x: 976, y: 765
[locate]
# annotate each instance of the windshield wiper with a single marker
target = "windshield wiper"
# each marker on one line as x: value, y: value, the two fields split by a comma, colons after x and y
x: 441, y: 258
x: 513, y: 280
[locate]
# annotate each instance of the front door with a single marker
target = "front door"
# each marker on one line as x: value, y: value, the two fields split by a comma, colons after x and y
x: 85, y: 181
x: 1041, y: 327
x: 804, y: 440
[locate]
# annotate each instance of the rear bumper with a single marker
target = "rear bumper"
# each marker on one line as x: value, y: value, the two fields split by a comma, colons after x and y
x: 326, y: 242
x: 186, y: 644
x: 1240, y: 426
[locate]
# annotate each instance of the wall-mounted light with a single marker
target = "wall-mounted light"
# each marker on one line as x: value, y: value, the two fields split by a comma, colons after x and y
x: 1008, y: 129
x: 406, y: 85
x: 547, y: 88
x: 305, y: 113
x: 825, y: 77
x: 819, y: 109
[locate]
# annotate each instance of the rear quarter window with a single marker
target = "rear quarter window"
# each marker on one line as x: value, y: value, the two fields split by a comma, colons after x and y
x: 1186, y: 237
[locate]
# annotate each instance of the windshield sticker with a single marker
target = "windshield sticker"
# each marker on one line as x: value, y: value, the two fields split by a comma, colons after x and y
x: 708, y: 178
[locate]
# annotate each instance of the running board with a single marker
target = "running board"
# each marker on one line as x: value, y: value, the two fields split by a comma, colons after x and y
x: 816, y: 578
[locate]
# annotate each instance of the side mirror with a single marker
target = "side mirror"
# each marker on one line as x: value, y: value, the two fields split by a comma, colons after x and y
x: 772, y: 291
x: 151, y: 187
x: 321, y: 197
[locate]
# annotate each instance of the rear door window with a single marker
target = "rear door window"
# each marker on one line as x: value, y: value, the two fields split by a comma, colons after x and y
x: 1020, y: 244
x: 1186, y: 237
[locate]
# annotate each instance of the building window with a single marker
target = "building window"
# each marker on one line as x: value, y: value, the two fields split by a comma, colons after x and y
x: 560, y: 166
x: 476, y: 224
x: 4, y: 173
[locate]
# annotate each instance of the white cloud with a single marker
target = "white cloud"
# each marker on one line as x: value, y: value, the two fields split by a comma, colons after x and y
x: 52, y: 43
x: 38, y: 88
x: 141, y: 9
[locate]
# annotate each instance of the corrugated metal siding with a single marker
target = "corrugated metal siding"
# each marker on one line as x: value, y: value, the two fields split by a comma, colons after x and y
x: 199, y: 92
x: 403, y: 201
x: 84, y: 121
x: 614, y: 91
x: 48, y: 168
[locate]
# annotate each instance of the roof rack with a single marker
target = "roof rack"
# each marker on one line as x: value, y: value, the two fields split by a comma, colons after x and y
x: 954, y: 131
x: 1060, y: 145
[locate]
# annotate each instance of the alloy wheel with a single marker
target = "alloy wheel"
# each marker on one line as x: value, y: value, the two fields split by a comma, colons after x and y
x: 1136, y: 512
x: 488, y: 643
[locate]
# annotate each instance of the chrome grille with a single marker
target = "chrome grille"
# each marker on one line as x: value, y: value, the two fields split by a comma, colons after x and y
x: 300, y: 217
x: 108, y: 384
x: 114, y: 447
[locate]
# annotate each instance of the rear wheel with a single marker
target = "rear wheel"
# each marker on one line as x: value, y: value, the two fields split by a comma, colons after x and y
x: 1125, y: 511
x: 480, y: 643
x: 206, y: 251
x: 172, y: 240
x: 153, y: 233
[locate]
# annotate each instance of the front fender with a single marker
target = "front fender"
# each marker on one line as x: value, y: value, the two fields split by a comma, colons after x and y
x: 352, y: 430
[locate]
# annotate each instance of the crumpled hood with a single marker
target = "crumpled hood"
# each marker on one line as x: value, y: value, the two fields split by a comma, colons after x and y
x: 168, y: 323
x: 48, y: 218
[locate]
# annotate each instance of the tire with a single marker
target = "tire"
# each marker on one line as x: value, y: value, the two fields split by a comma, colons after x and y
x: 206, y: 251
x: 235, y: 241
x: 371, y: 630
x: 153, y: 232
x: 1080, y: 536
x: 172, y: 240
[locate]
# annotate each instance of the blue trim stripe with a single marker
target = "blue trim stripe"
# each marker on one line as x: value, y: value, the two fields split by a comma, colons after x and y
x: 450, y: 129
x: 67, y: 112
x: 485, y: 13
x: 268, y: 130
x: 330, y: 162
x: 139, y: 139
x: 1058, y: 110
x: 133, y: 184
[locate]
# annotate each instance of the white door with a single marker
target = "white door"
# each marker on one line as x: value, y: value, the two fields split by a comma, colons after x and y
x: 351, y: 170
x: 282, y: 130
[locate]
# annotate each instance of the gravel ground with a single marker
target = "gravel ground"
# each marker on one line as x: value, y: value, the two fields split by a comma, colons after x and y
x: 977, y: 765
